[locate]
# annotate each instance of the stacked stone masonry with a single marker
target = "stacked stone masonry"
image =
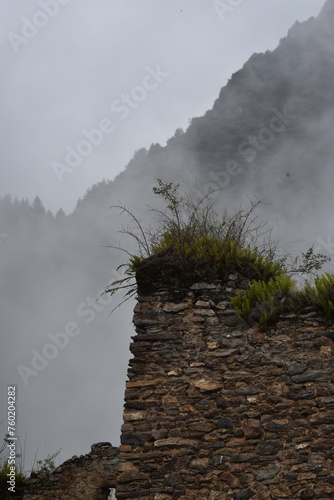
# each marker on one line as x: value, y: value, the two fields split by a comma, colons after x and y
x: 86, y: 477
x: 215, y: 410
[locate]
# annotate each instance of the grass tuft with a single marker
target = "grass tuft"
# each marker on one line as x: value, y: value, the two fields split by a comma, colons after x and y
x: 192, y: 242
x: 264, y: 301
x: 321, y: 295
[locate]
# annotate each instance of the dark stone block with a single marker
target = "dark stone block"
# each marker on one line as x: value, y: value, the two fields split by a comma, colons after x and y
x: 307, y: 494
x: 296, y: 369
x: 138, y: 405
x: 311, y: 376
x: 135, y: 438
x: 290, y: 476
x: 225, y: 423
x: 162, y: 490
x: 269, y: 447
x: 242, y: 409
x: 268, y: 473
x: 132, y: 494
x: 274, y: 427
x: 173, y: 479
x: 161, y: 434
x: 330, y: 335
x: 221, y: 403
x: 243, y: 495
x: 248, y: 457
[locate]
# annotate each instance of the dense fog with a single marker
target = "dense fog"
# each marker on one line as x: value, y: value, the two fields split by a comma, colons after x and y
x: 97, y: 104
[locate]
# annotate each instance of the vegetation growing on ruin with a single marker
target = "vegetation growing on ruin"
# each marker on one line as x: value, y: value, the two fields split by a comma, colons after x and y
x: 21, y: 474
x: 20, y: 482
x: 6, y: 470
x: 191, y: 242
x: 264, y: 301
x: 321, y: 294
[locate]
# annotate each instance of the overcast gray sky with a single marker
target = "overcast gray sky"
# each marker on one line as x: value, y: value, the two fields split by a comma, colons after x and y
x: 138, y: 70
x: 66, y: 62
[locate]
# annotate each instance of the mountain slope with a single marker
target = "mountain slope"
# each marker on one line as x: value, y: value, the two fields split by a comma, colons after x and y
x: 244, y: 140
x: 269, y: 134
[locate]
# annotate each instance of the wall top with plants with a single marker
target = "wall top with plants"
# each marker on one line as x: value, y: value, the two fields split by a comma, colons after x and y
x: 190, y: 241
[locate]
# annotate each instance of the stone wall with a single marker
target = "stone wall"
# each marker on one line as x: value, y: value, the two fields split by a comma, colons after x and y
x: 215, y: 410
x: 86, y: 477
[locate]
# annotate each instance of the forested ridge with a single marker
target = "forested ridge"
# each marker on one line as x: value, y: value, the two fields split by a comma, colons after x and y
x: 269, y: 135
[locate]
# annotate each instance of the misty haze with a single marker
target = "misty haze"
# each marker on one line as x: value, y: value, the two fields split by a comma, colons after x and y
x: 100, y: 101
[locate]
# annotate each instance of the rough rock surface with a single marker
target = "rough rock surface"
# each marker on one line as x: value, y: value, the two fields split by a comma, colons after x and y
x: 86, y: 477
x: 215, y: 410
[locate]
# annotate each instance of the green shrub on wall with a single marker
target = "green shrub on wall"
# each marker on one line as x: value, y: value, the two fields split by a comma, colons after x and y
x: 321, y: 294
x: 264, y: 301
x: 192, y: 242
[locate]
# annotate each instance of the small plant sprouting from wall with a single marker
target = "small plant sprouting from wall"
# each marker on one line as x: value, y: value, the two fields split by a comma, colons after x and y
x: 192, y: 242
x: 264, y: 301
x: 48, y: 464
x: 308, y: 262
x: 321, y: 294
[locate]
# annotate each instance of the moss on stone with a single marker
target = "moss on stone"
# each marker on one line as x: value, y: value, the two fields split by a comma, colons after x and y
x: 182, y: 259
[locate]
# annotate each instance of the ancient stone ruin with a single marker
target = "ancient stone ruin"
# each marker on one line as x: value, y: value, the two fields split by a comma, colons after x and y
x: 215, y: 409
x: 88, y: 476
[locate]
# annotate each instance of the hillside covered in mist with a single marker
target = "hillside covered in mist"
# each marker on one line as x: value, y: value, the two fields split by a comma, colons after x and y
x: 269, y: 135
x: 269, y: 131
